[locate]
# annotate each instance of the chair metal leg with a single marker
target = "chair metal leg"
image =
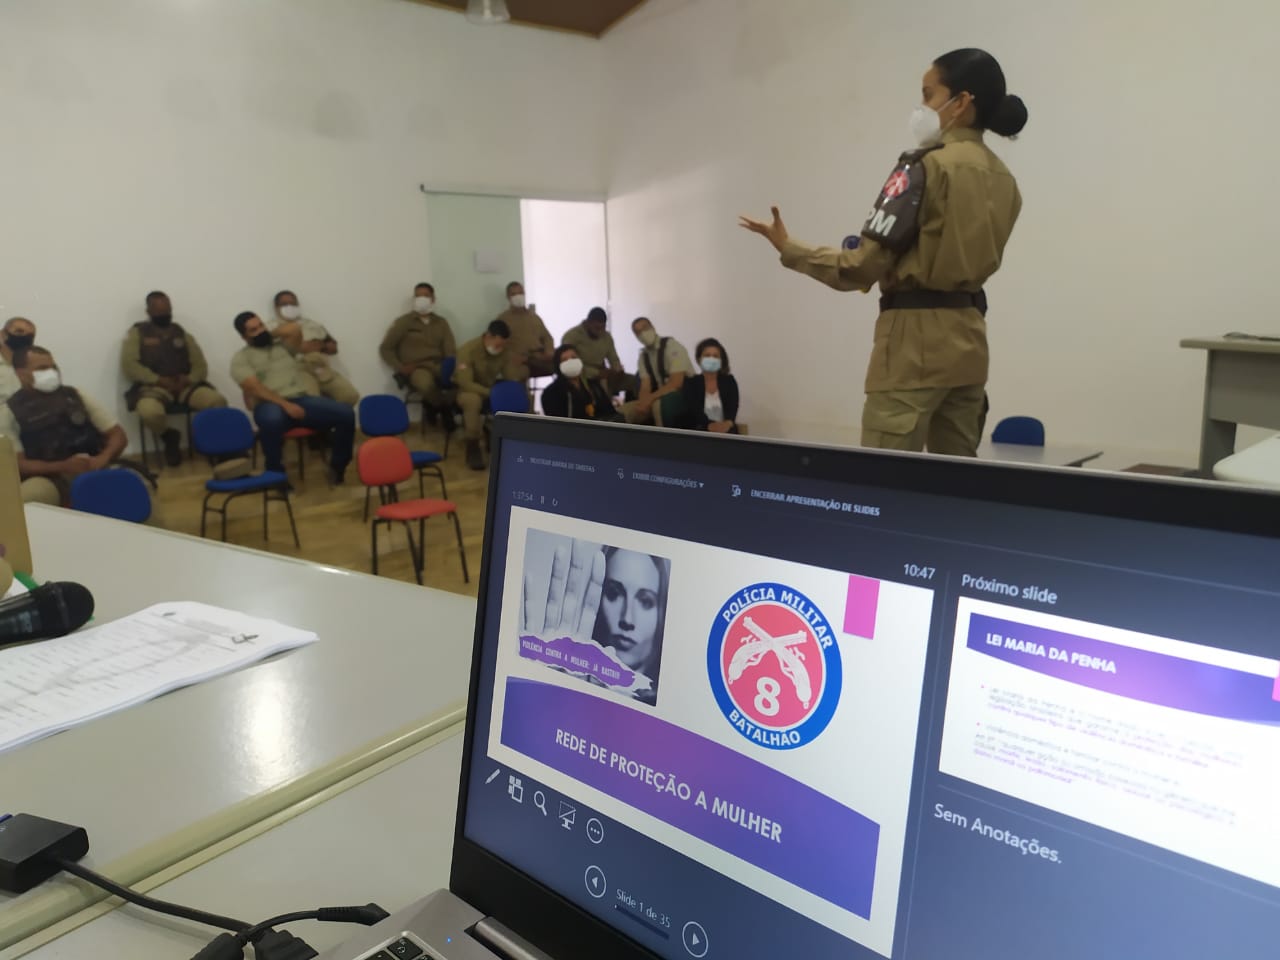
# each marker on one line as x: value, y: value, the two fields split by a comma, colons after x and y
x: 457, y: 529
x: 265, y: 495
x: 422, y: 490
x: 413, y: 552
x: 367, y: 492
x: 444, y: 491
x: 225, y: 504
x: 288, y: 508
x: 373, y: 550
x: 204, y: 514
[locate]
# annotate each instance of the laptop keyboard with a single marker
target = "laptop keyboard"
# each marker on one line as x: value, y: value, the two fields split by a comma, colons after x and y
x: 402, y: 949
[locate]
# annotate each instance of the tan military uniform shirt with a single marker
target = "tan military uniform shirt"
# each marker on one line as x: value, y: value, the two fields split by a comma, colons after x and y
x: 9, y: 382
x: 478, y: 371
x: 529, y: 335
x: 675, y: 359
x: 274, y: 366
x: 136, y: 372
x: 422, y: 341
x: 971, y: 202
x: 596, y: 354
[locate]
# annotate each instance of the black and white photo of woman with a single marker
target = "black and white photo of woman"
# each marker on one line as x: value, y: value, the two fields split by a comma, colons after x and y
x: 611, y: 595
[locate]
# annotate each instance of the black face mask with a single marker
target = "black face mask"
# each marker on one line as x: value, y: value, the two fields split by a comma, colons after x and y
x: 162, y: 319
x: 262, y: 340
x: 14, y: 342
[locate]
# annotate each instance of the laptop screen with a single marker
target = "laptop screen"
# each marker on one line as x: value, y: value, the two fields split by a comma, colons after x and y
x: 735, y: 711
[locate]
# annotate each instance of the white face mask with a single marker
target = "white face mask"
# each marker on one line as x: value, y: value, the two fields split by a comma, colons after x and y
x: 490, y: 349
x: 291, y: 311
x: 926, y: 125
x: 571, y: 368
x: 46, y: 381
x: 423, y: 305
x: 648, y: 337
x: 517, y: 301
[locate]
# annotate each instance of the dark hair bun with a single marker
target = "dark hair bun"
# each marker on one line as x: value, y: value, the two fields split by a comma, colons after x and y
x: 1009, y: 117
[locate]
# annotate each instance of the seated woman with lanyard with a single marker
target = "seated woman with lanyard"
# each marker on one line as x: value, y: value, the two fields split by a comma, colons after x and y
x: 712, y: 399
x: 573, y: 396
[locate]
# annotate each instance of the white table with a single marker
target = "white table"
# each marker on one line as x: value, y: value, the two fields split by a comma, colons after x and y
x: 387, y: 839
x: 1050, y: 455
x: 158, y: 782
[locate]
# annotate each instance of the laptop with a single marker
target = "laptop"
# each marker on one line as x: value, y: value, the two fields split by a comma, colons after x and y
x: 736, y: 698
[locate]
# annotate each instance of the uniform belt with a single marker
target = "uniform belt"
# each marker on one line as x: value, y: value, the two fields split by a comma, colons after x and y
x: 934, y: 300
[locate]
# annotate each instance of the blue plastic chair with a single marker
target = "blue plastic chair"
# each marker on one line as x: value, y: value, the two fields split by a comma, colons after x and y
x: 1027, y: 431
x: 385, y: 415
x: 509, y: 396
x: 119, y: 494
x: 224, y: 432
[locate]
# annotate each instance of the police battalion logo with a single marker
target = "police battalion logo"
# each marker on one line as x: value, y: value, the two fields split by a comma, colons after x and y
x: 774, y: 666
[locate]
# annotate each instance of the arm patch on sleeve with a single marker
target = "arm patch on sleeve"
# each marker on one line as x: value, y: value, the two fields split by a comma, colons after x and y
x: 894, y: 221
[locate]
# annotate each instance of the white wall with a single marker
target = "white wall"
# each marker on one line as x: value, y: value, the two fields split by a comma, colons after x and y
x: 566, y: 268
x: 223, y: 150
x: 1145, y: 172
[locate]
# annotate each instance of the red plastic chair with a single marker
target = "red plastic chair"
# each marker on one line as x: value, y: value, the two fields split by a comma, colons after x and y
x: 385, y: 463
x: 302, y: 435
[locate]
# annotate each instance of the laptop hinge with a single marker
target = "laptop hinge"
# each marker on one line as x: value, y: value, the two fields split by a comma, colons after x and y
x: 504, y: 942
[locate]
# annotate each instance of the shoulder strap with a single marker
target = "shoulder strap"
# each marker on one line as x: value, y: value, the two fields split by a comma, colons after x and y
x: 662, y: 358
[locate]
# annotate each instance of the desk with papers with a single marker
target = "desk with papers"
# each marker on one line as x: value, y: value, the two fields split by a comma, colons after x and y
x: 160, y: 781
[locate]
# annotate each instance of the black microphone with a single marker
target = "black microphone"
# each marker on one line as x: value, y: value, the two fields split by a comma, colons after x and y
x: 48, y: 611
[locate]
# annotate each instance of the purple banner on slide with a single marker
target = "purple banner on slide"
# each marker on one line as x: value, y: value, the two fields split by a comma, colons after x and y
x: 584, y: 658
x: 1144, y: 675
x: 751, y: 810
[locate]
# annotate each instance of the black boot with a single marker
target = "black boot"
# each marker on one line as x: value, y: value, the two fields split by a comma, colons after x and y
x: 475, y: 459
x: 172, y: 441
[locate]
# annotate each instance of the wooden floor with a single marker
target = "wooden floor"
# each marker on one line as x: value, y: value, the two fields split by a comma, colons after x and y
x: 330, y: 524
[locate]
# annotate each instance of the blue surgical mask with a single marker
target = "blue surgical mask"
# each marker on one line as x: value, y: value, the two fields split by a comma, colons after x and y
x: 710, y: 364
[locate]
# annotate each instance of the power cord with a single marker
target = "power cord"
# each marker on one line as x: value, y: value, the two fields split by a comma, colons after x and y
x: 149, y: 903
x: 269, y: 944
x: 33, y: 849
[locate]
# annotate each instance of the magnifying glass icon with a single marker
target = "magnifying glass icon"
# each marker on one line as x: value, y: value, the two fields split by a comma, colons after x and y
x: 540, y: 801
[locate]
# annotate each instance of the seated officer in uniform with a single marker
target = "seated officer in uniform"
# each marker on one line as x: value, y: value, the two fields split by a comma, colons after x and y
x: 595, y: 347
x: 311, y: 342
x: 415, y: 348
x: 482, y: 362
x: 57, y: 431
x: 531, y: 341
x: 662, y: 366
x: 18, y: 333
x: 165, y: 364
x: 273, y: 383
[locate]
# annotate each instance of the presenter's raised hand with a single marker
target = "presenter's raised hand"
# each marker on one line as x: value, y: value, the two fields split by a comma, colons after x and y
x: 572, y: 599
x: 775, y: 232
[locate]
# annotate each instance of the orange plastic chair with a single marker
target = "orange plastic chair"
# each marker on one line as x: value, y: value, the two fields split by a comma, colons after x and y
x: 302, y: 435
x: 385, y: 463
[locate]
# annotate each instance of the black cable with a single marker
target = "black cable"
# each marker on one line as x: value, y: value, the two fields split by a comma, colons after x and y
x: 149, y: 903
x: 367, y: 915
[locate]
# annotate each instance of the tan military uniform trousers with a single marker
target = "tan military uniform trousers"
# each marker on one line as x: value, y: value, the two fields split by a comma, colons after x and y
x: 152, y: 401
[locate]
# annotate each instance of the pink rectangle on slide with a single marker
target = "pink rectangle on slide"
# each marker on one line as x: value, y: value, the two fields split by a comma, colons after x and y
x: 1275, y: 691
x: 860, y: 607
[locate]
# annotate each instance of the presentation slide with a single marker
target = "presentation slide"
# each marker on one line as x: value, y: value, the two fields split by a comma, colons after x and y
x: 1169, y: 742
x: 756, y: 715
